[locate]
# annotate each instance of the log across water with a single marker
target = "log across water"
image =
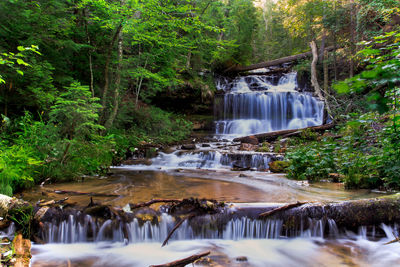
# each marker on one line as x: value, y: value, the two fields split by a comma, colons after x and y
x: 275, y: 62
x: 271, y: 136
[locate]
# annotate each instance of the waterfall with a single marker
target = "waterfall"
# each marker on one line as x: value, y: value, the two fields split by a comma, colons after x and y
x: 260, y: 103
x: 73, y: 230
x: 210, y: 159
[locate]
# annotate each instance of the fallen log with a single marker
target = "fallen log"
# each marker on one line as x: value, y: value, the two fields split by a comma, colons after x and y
x: 275, y: 62
x: 176, y: 227
x: 286, y: 207
x: 271, y: 136
x: 347, y: 214
x: 183, y: 262
x: 153, y: 201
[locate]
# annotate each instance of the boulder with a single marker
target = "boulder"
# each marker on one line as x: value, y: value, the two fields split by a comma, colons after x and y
x: 188, y: 146
x: 247, y: 147
x: 241, y: 258
x: 278, y: 166
x: 250, y: 140
x: 5, y: 202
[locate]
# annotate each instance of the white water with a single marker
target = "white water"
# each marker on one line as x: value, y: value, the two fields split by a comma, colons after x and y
x: 259, y: 252
x: 253, y: 104
x: 206, y: 160
x: 264, y: 243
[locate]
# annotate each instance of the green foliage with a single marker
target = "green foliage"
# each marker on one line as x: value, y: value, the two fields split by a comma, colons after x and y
x: 75, y: 112
x: 365, y: 155
x: 382, y: 74
x: 17, y: 167
x: 15, y: 61
x: 311, y: 162
x: 22, y: 217
x: 147, y: 125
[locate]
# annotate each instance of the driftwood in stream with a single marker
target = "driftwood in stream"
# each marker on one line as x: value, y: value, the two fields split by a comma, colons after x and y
x: 176, y: 227
x: 286, y: 207
x: 153, y: 201
x: 183, y: 262
x: 275, y: 62
x: 285, y: 133
x: 397, y: 239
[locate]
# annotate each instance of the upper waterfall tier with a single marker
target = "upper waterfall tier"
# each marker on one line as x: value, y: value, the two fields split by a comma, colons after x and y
x: 260, y: 103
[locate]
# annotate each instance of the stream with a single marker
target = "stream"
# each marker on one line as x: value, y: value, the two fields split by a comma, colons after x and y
x: 247, y: 105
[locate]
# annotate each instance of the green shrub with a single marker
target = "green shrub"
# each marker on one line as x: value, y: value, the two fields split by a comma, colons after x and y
x: 367, y: 155
x: 17, y: 167
x: 311, y: 162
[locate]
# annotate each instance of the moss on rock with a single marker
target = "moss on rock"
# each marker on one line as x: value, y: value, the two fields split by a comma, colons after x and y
x: 278, y: 166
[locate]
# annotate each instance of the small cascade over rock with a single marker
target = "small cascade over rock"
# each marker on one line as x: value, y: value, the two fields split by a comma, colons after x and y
x: 215, y: 156
x: 77, y: 229
x: 261, y: 103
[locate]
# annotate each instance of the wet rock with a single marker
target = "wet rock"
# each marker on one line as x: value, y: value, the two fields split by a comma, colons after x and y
x: 22, y: 250
x: 168, y: 150
x: 250, y: 140
x: 242, y: 258
x: 101, y: 211
x: 137, y: 162
x: 239, y: 169
x: 40, y: 213
x: 205, y: 145
x: 206, y: 261
x: 5, y: 202
x: 336, y: 177
x: 278, y: 166
x: 243, y: 175
x: 188, y: 147
x: 247, y: 147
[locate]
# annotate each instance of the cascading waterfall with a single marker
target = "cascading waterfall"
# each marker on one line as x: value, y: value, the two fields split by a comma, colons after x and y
x: 73, y: 230
x: 210, y: 159
x: 258, y: 103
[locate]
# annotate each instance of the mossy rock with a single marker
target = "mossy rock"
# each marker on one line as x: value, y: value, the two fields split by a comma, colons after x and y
x: 278, y: 166
x: 263, y: 149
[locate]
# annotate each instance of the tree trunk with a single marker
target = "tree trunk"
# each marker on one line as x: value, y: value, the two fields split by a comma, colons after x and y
x: 90, y: 53
x: 114, y: 112
x: 139, y: 85
x: 314, y: 80
x: 326, y: 72
x: 107, y: 69
x: 352, y: 38
x: 314, y: 77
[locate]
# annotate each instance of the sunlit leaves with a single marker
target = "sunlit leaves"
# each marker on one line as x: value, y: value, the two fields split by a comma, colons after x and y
x: 382, y: 72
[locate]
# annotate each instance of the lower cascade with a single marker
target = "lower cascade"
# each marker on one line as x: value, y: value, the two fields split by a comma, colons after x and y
x: 86, y: 229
